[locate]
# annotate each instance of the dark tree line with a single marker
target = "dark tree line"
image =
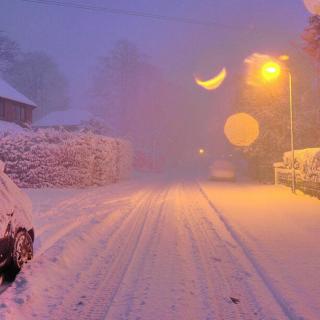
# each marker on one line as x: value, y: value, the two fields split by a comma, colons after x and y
x: 35, y: 74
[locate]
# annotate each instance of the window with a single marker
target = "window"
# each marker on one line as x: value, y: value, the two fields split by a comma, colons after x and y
x: 22, y: 114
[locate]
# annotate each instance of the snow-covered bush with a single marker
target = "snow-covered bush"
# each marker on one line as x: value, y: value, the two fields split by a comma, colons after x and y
x: 50, y: 157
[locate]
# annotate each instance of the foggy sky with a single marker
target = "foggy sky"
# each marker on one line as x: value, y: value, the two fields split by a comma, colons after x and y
x: 76, y: 38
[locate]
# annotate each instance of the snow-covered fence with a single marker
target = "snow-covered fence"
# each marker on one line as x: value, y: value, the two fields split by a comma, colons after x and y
x: 49, y: 157
x: 307, y: 170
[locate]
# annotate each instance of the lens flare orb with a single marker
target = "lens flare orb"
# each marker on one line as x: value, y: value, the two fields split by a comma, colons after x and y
x: 241, y: 129
x: 313, y: 6
x: 213, y: 83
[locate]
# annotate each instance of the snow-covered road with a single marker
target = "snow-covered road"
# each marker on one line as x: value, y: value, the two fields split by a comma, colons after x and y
x: 150, y: 249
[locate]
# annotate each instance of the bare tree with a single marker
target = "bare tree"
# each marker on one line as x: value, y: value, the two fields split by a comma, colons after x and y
x: 311, y: 37
x: 37, y: 76
x: 132, y: 95
x: 116, y: 84
x: 269, y: 104
x: 9, y: 52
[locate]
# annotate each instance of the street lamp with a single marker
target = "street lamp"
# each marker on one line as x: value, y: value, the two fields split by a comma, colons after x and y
x: 271, y: 71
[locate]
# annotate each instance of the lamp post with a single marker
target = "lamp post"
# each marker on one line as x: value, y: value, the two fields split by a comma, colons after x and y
x: 293, y: 173
x: 270, y: 71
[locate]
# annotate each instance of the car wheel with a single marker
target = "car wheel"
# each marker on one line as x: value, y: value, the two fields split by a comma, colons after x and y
x: 22, y: 249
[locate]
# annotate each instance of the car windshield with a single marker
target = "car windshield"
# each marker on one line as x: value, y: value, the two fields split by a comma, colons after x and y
x: 5, y: 198
x: 11, y: 197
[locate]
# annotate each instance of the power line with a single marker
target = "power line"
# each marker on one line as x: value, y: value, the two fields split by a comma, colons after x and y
x: 141, y: 14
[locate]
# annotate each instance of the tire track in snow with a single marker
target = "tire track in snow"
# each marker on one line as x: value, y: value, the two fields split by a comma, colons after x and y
x: 278, y: 298
x: 66, y: 228
x: 54, y: 221
x: 57, y: 304
x: 141, y: 261
x: 105, y: 294
x: 161, y: 282
x: 97, y: 286
x: 79, y: 224
x: 173, y: 276
x: 89, y: 279
x: 119, y: 242
x: 223, y: 275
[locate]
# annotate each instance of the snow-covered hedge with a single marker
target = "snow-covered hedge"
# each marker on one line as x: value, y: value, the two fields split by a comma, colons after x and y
x: 306, y: 162
x: 58, y: 158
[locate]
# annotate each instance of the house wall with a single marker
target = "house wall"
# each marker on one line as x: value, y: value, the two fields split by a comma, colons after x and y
x: 13, y: 111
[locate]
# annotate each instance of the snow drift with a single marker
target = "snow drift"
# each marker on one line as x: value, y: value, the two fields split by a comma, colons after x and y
x: 58, y: 158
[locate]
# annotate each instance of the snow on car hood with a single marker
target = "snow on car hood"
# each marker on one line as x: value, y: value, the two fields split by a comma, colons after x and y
x: 12, y: 198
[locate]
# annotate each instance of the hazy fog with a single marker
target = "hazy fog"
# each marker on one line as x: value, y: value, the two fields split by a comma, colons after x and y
x: 77, y: 38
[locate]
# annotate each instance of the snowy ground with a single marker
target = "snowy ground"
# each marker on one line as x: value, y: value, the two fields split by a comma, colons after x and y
x: 158, y: 248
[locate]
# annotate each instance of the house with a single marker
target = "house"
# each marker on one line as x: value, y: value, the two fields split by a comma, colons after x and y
x: 74, y: 120
x: 14, y: 106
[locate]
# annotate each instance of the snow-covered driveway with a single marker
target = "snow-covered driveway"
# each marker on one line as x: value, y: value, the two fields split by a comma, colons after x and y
x: 159, y: 249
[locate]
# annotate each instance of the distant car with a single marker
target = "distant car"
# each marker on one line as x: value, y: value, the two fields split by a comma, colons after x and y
x: 16, y: 229
x: 222, y: 170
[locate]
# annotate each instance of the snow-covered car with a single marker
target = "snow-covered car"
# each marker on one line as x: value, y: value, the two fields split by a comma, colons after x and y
x: 16, y: 229
x: 222, y: 170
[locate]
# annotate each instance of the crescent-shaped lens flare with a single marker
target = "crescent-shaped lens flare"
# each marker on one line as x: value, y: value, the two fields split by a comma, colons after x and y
x: 213, y: 83
x: 313, y: 6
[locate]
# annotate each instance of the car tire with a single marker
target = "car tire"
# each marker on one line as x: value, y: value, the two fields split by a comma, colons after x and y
x: 22, y: 250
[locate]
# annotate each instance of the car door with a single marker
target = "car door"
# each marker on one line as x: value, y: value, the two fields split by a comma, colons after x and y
x: 6, y: 212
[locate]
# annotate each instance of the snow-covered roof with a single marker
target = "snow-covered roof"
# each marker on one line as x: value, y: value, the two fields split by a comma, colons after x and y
x: 9, y: 127
x: 70, y: 117
x: 8, y: 92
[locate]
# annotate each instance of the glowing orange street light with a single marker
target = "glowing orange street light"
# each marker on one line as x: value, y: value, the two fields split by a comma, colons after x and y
x: 201, y: 151
x: 271, y: 71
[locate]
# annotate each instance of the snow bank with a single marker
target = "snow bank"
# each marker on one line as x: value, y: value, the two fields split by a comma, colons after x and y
x: 49, y: 157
